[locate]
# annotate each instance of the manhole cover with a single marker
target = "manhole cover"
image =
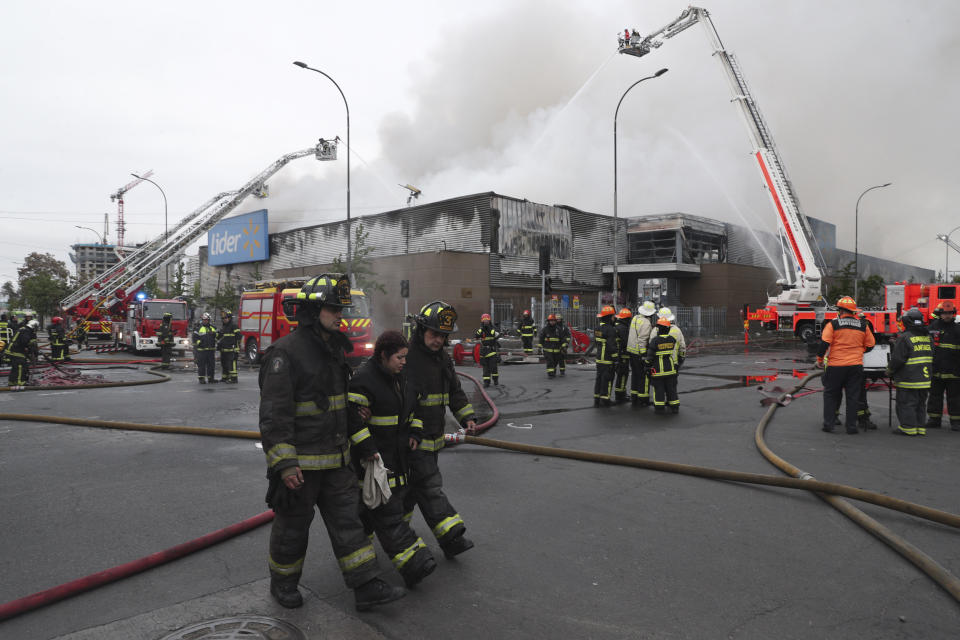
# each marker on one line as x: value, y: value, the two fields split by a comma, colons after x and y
x: 238, y: 628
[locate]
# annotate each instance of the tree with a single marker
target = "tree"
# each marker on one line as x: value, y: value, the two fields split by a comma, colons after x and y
x: 152, y: 287
x: 840, y: 284
x: 43, y: 263
x: 226, y: 298
x: 871, y: 292
x: 43, y: 293
x: 10, y: 292
x: 363, y: 274
x: 178, y: 281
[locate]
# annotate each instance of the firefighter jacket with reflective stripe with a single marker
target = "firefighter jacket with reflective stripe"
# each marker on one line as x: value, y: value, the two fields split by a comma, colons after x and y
x: 680, y: 352
x: 911, y: 359
x: 305, y: 420
x: 23, y: 343
x: 488, y: 337
x: 57, y: 335
x: 229, y: 337
x: 565, y: 335
x: 527, y: 328
x: 435, y: 382
x: 550, y: 338
x: 391, y: 401
x: 165, y: 335
x: 205, y: 338
x: 847, y: 338
x: 639, y: 334
x: 623, y: 333
x: 946, y: 349
x: 663, y: 354
x: 606, y: 338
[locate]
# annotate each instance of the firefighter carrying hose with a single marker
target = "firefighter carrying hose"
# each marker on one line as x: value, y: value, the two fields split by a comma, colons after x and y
x: 307, y: 430
x: 489, y: 341
x: 527, y: 330
x: 664, y: 358
x: 641, y: 326
x: 910, y: 362
x: 228, y: 342
x: 550, y: 344
x: 23, y: 344
x: 204, y: 344
x: 607, y: 357
x: 945, y: 333
x: 430, y: 371
x: 623, y: 363
x: 165, y: 340
x: 58, y: 337
x: 847, y: 338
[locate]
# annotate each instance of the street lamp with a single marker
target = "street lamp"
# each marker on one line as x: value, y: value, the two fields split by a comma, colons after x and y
x: 303, y: 65
x: 856, y: 237
x: 166, y: 266
x: 946, y: 254
x: 615, y: 231
x: 102, y: 258
x: 99, y: 237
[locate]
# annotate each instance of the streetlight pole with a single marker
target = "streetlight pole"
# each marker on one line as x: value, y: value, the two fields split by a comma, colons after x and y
x: 946, y: 254
x: 856, y: 237
x: 616, y: 244
x: 166, y: 266
x: 303, y: 65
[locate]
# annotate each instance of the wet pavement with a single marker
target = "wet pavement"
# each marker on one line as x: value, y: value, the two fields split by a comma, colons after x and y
x: 565, y: 549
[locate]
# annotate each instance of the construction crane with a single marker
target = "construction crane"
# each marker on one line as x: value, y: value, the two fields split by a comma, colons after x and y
x: 118, y: 197
x: 801, y: 284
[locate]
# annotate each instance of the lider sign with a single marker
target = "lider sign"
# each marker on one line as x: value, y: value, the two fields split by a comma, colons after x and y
x: 241, y: 238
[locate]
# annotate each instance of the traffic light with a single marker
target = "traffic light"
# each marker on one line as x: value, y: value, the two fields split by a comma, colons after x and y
x: 404, y: 288
x: 545, y: 258
x: 547, y: 288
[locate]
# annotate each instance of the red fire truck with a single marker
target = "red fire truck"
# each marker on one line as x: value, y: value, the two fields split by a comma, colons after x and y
x: 144, y: 316
x: 262, y: 320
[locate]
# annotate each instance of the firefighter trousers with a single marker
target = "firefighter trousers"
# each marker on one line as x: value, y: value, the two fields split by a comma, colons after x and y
x: 665, y: 393
x: 553, y: 361
x: 940, y: 386
x: 491, y: 371
x: 426, y: 491
x: 640, y: 381
x: 19, y: 373
x: 527, y: 344
x: 205, y: 365
x: 228, y: 362
x: 406, y: 549
x: 58, y: 351
x: 911, y: 411
x: 165, y: 351
x: 623, y: 375
x: 562, y: 362
x: 603, y: 386
x: 839, y: 382
x: 336, y: 494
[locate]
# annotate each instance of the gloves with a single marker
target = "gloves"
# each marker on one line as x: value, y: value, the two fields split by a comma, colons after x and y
x: 820, y: 362
x: 279, y: 497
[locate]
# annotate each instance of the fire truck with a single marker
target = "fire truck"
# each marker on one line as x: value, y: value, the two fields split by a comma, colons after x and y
x: 144, y: 316
x: 263, y: 320
x: 105, y: 300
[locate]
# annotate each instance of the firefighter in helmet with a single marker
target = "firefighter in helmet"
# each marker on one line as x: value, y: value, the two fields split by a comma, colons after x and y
x: 228, y: 342
x: 910, y: 361
x: 58, y: 337
x: 22, y: 344
x: 847, y: 338
x: 623, y: 363
x: 204, y: 344
x: 664, y: 359
x: 605, y: 337
x: 527, y: 329
x: 307, y: 429
x: 165, y: 339
x: 431, y: 373
x: 489, y: 338
x: 945, y: 380
x: 565, y: 339
x: 550, y: 344
x: 641, y: 327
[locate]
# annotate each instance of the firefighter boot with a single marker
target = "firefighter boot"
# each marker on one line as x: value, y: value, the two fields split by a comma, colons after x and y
x: 375, y: 592
x: 285, y: 592
x: 456, y: 546
x: 933, y: 423
x: 865, y: 423
x: 425, y: 570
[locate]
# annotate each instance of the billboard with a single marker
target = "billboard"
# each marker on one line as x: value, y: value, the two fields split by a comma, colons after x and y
x: 241, y: 238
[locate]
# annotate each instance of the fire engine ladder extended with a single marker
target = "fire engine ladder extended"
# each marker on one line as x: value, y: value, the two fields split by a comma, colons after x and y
x: 792, y: 225
x: 130, y: 273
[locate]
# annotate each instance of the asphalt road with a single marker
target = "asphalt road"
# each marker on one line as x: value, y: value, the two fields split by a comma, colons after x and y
x: 565, y: 549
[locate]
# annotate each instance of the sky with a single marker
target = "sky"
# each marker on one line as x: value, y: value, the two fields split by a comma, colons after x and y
x: 512, y: 96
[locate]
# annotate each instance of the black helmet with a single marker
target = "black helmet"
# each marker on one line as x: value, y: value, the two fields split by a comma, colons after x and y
x: 913, y: 318
x: 228, y: 314
x: 331, y: 289
x: 167, y: 316
x: 439, y: 316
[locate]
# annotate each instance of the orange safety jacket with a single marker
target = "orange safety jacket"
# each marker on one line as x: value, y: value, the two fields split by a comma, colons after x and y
x: 847, y: 338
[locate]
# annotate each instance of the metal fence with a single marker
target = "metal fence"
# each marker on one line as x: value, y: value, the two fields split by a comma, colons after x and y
x: 701, y: 322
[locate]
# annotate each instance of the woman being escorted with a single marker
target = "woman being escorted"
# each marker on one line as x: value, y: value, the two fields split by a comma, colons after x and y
x: 381, y: 387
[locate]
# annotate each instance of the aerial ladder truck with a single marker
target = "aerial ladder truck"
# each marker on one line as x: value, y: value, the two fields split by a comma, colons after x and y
x: 105, y: 300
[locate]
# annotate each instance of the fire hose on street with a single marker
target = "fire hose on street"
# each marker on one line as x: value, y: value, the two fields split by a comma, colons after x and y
x: 830, y: 492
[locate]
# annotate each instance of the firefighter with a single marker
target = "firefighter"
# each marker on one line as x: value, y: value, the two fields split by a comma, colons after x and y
x: 307, y: 430
x: 910, y: 362
x: 527, y: 330
x: 550, y: 339
x: 165, y: 340
x: 863, y: 409
x: 380, y: 385
x: 681, y: 350
x: 22, y: 345
x: 80, y: 335
x: 489, y: 341
x: 847, y: 338
x: 57, y: 335
x: 228, y: 342
x: 204, y: 344
x: 565, y: 339
x: 623, y: 363
x: 945, y: 334
x: 664, y: 358
x: 5, y: 335
x: 607, y: 357
x: 641, y: 326
x: 431, y: 373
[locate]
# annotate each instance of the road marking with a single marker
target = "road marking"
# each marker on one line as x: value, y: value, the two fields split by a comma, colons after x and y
x: 56, y: 393
x: 523, y: 426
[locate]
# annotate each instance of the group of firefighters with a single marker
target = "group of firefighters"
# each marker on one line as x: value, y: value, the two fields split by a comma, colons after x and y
x: 206, y: 340
x: 924, y: 366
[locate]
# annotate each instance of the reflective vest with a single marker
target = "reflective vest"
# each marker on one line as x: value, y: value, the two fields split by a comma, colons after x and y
x: 205, y: 338
x: 946, y: 349
x: 639, y: 335
x: 606, y: 338
x: 229, y: 337
x: 661, y: 355
x: 550, y: 338
x: 527, y: 328
x: 488, y: 337
x: 912, y: 360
